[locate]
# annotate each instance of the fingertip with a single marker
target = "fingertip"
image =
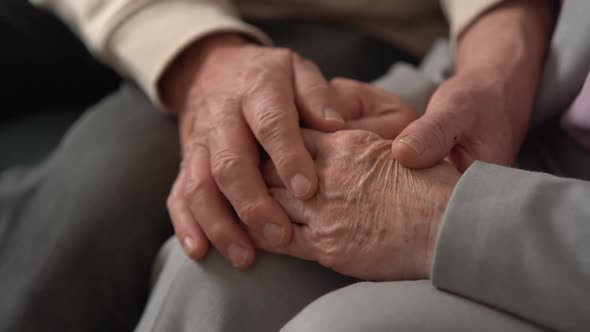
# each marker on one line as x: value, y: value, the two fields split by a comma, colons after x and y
x: 195, y: 247
x: 327, y: 120
x: 333, y: 120
x: 303, y: 186
x: 414, y: 143
x: 287, y: 235
x: 406, y: 155
x: 282, y: 220
x: 240, y: 257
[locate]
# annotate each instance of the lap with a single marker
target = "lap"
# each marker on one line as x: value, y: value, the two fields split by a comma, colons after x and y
x: 211, y: 296
x: 78, y: 233
x: 400, y: 306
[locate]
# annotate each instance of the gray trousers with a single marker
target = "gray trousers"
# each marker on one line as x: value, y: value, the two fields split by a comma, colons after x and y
x: 86, y: 224
x: 78, y: 235
x: 287, y: 294
x: 282, y: 293
x: 79, y: 232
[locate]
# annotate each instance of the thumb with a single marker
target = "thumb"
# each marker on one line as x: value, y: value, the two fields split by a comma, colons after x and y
x: 428, y: 140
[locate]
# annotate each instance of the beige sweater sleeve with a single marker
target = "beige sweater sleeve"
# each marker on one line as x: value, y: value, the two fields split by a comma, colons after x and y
x: 140, y: 38
x: 461, y: 13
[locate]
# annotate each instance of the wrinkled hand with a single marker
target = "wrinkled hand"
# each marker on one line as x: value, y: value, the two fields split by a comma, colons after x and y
x: 466, y: 120
x: 371, y: 217
x: 231, y: 97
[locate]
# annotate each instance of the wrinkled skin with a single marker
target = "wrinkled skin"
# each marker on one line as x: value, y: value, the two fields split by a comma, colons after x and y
x: 483, y: 112
x: 235, y: 100
x: 467, y: 119
x: 371, y: 217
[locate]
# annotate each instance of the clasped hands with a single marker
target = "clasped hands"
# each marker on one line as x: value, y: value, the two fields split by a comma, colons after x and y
x: 336, y: 193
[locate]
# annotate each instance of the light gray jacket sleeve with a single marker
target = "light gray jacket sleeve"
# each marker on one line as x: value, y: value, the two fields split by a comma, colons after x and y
x: 519, y: 241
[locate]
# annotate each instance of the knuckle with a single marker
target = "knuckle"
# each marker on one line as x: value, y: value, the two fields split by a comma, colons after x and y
x: 285, y: 54
x: 327, y: 259
x: 214, y: 101
x: 255, y: 77
x: 216, y: 232
x: 251, y: 212
x: 356, y: 138
x: 343, y: 83
x: 195, y: 186
x: 438, y: 132
x: 312, y: 65
x: 171, y: 202
x: 193, y: 146
x: 328, y: 256
x: 286, y: 157
x: 174, y: 196
x: 315, y: 90
x: 269, y: 122
x: 306, y: 63
x: 328, y: 250
x: 225, y: 165
x: 268, y: 64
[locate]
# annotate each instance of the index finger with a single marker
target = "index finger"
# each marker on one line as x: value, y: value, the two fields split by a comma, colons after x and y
x: 271, y: 114
x: 235, y: 168
x: 311, y: 139
x: 316, y: 99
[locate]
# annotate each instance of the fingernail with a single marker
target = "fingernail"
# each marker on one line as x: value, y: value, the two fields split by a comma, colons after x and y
x: 273, y: 234
x: 300, y: 185
x: 332, y: 115
x: 189, y: 244
x: 414, y: 142
x: 237, y: 255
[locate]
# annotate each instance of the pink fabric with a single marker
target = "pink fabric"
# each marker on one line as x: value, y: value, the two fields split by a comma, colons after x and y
x: 577, y: 118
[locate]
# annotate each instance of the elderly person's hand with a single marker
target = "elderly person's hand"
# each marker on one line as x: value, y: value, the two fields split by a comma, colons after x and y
x: 235, y: 99
x: 371, y: 217
x: 483, y: 112
x: 467, y: 119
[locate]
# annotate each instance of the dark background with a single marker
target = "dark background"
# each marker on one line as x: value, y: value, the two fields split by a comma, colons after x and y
x: 48, y: 78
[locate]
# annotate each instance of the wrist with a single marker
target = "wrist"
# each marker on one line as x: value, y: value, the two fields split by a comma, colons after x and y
x: 510, y: 97
x: 520, y: 31
x: 176, y: 82
x: 446, y: 191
